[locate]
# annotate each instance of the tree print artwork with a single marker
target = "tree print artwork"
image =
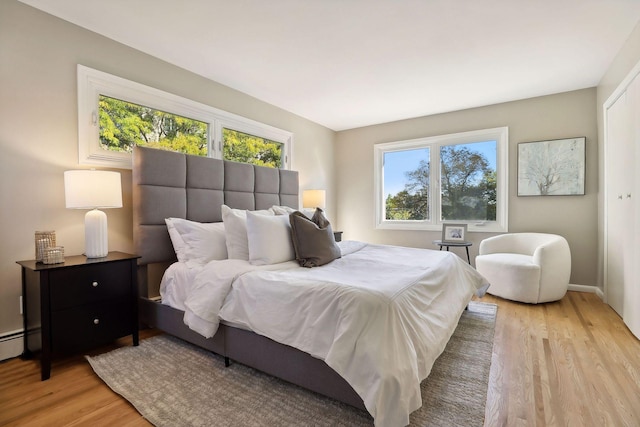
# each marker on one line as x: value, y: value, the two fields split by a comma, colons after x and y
x: 551, y: 168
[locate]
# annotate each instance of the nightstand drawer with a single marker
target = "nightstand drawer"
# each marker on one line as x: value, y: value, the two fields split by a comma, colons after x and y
x: 89, y: 283
x: 91, y: 325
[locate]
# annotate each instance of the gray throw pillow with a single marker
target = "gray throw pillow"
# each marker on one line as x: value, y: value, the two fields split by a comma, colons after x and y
x: 313, y: 240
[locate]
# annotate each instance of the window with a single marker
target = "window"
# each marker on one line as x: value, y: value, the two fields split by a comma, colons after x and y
x: 406, y: 184
x: 115, y: 114
x: 122, y: 125
x: 247, y: 148
x: 461, y: 178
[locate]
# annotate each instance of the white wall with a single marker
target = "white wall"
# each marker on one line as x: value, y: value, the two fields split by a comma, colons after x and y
x: 39, y: 140
x: 563, y: 115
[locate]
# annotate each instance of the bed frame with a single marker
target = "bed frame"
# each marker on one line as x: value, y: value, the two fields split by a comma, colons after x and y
x: 168, y: 184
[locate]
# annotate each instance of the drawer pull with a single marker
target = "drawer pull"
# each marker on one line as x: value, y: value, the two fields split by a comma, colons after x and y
x: 96, y: 321
x: 94, y: 284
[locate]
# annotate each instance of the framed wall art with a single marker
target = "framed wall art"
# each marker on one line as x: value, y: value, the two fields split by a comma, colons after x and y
x: 453, y: 233
x: 552, y: 168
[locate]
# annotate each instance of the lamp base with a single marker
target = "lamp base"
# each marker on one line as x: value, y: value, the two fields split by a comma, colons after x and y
x: 96, y: 242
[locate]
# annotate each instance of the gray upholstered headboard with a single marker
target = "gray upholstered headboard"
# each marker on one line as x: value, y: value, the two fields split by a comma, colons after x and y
x: 169, y: 184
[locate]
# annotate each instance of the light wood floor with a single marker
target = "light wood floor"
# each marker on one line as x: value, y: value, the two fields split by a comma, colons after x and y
x: 572, y: 362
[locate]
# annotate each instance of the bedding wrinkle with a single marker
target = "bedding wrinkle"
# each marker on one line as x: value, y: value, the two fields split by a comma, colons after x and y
x: 379, y: 316
x: 210, y: 290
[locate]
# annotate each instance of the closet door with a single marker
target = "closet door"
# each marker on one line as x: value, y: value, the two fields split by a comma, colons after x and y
x: 617, y: 134
x: 622, y: 178
x: 631, y: 308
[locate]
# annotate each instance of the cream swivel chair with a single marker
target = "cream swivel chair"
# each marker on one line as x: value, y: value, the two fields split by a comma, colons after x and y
x: 526, y: 267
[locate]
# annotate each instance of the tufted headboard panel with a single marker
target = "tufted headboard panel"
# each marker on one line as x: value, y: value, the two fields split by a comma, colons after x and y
x: 169, y: 184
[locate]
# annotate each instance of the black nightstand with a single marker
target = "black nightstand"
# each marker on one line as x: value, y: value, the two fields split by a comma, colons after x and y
x: 81, y: 303
x: 337, y: 235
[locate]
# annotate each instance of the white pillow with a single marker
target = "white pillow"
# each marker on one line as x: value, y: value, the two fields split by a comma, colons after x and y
x: 197, y: 243
x: 235, y: 226
x: 286, y: 210
x: 269, y: 239
x: 176, y: 239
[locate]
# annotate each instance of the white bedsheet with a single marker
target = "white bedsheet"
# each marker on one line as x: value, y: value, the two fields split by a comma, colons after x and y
x: 379, y: 316
x: 175, y: 284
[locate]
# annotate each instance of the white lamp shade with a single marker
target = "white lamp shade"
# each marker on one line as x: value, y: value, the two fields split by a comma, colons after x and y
x: 314, y: 199
x: 91, y: 189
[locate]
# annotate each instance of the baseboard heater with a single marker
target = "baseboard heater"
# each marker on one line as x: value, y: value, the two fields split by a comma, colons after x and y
x: 12, y: 343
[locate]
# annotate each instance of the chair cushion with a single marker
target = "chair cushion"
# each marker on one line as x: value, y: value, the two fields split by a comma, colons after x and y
x: 511, y: 276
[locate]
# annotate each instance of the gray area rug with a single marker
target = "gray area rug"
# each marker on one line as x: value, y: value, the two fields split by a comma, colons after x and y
x: 172, y: 383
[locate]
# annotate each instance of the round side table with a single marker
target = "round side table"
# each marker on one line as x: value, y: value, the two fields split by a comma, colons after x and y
x: 466, y: 245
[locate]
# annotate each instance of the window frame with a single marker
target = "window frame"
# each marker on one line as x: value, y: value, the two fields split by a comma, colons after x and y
x: 93, y: 83
x: 499, y: 134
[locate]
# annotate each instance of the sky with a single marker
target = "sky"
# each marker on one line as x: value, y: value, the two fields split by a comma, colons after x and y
x: 397, y: 163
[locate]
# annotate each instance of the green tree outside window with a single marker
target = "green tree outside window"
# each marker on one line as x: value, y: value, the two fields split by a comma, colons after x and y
x: 124, y: 125
x: 467, y: 188
x: 245, y: 148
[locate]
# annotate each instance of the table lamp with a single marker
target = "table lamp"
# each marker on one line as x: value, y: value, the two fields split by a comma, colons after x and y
x: 93, y: 189
x: 314, y: 199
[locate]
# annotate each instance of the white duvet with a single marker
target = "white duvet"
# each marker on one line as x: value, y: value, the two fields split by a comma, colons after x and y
x: 379, y: 316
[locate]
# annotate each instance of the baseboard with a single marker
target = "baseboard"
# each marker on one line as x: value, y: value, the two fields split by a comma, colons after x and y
x: 12, y: 343
x: 600, y: 293
x: 585, y: 288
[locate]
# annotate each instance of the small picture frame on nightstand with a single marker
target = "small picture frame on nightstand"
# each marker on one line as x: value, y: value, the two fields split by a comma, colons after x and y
x: 453, y: 233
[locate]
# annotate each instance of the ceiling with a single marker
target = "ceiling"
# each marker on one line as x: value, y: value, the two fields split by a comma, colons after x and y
x: 352, y: 63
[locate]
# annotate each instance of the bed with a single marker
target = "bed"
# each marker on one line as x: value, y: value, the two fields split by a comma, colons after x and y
x: 367, y: 341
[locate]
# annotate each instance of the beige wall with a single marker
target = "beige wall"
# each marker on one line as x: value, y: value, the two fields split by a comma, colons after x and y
x: 550, y: 117
x: 622, y: 65
x: 39, y: 140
